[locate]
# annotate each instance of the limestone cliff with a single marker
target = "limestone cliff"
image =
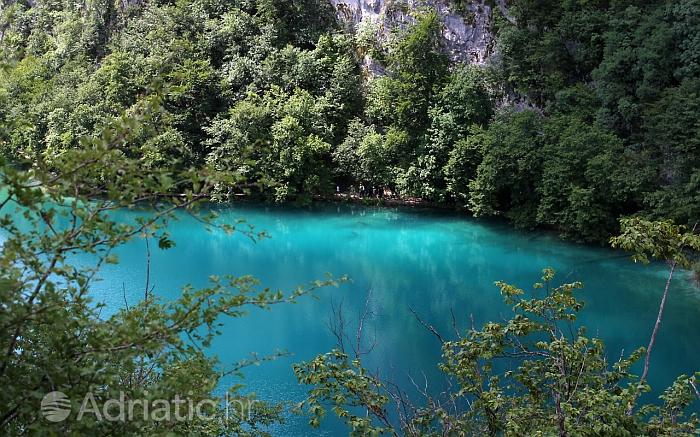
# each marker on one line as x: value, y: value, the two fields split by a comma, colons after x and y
x: 466, y: 29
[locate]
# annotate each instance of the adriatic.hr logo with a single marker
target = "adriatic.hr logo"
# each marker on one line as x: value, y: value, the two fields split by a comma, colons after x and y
x: 55, y: 406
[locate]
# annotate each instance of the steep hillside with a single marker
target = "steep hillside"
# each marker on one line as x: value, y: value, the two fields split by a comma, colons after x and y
x: 297, y: 100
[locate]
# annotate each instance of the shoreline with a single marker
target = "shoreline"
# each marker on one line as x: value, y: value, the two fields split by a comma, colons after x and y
x: 413, y: 202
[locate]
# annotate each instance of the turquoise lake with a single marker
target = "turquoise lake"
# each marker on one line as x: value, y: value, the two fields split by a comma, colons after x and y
x: 431, y: 262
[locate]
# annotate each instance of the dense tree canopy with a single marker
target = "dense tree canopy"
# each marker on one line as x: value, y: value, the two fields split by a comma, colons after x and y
x: 276, y: 91
x: 628, y: 70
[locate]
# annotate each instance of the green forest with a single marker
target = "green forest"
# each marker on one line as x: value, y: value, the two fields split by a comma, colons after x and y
x: 584, y: 121
x: 588, y: 111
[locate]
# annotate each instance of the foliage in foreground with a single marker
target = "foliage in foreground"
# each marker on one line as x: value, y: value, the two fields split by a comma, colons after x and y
x: 54, y: 335
x: 535, y: 374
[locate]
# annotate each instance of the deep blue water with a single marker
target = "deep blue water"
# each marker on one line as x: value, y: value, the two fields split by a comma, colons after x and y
x: 432, y: 262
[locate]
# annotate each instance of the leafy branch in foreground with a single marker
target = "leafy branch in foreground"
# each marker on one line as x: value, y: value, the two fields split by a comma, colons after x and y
x: 54, y: 336
x: 661, y: 240
x: 534, y: 374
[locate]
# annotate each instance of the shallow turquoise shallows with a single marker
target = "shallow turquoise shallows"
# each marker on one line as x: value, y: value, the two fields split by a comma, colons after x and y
x: 431, y: 262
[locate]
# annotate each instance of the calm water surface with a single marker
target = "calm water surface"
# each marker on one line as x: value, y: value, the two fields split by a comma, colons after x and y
x: 431, y: 262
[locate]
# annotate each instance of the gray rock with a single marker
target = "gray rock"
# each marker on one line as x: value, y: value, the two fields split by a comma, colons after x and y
x: 467, y: 34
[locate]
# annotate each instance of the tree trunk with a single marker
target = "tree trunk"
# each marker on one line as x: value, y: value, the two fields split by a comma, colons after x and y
x: 657, y: 325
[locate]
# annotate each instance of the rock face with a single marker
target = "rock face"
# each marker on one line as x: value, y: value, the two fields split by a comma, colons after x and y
x: 466, y: 32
